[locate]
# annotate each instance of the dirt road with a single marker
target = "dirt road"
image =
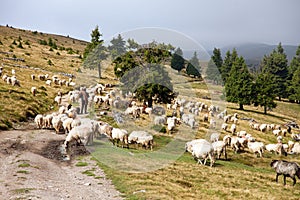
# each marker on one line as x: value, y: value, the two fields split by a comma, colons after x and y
x: 32, y: 167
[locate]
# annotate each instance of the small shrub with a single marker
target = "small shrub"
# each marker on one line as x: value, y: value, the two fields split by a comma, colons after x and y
x: 43, y: 42
x: 50, y: 62
x: 23, y: 172
x: 27, y: 54
x: 80, y: 57
x: 50, y: 49
x: 19, y: 38
x: 14, y: 42
x: 20, y: 45
x: 34, y: 32
x: 1, y: 42
x: 14, y: 56
x: 11, y: 46
x: 57, y: 53
x: 27, y: 42
x: 89, y: 173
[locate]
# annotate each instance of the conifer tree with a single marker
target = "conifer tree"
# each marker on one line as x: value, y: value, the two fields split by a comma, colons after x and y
x: 239, y: 86
x: 177, y: 61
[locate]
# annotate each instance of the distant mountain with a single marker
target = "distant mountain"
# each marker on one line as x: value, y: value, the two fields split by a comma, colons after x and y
x: 254, y: 52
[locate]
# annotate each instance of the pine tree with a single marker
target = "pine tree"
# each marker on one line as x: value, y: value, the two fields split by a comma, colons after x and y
x: 94, y: 52
x: 295, y: 86
x: 239, y: 87
x: 132, y: 44
x: 214, y: 66
x: 265, y: 94
x: 193, y: 67
x: 292, y: 77
x: 177, y: 61
x: 276, y: 64
x: 117, y: 47
x: 227, y: 64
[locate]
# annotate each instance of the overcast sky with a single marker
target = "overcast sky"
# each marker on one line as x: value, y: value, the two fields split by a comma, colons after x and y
x: 212, y: 23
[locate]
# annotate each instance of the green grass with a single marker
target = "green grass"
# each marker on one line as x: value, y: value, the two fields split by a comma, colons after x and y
x: 23, y: 172
x: 81, y: 164
x: 89, y: 172
x: 22, y: 190
x: 24, y: 165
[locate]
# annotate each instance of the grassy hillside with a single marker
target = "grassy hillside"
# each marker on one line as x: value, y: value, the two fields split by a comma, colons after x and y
x: 27, y: 53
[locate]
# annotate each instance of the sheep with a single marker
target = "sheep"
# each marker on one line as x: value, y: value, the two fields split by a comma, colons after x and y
x: 226, y: 118
x: 57, y: 123
x: 148, y: 111
x: 296, y: 148
x: 42, y: 77
x: 256, y: 147
x: 32, y: 76
x: 233, y: 128
x: 241, y: 133
x: 47, y: 121
x: 75, y: 122
x: 4, y: 77
x: 39, y: 121
x: 277, y: 148
x: 33, y: 91
x: 105, y: 129
x: 263, y: 127
x: 191, y: 123
x: 83, y: 134
x: 141, y: 137
x: 160, y: 120
x: 203, y: 150
x: 67, y: 125
x: 119, y: 135
x: 212, y: 123
x: 219, y: 148
x: 224, y: 126
x: 58, y: 99
x: 171, y: 122
x: 233, y: 141
x: 189, y: 145
x: 276, y: 132
x: 62, y: 110
x: 48, y: 82
x: 287, y: 169
x: 15, y: 81
x: 214, y: 137
x: 13, y: 72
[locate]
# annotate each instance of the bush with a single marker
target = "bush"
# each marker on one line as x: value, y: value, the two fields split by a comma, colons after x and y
x: 57, y: 53
x: 27, y: 42
x: 34, y: 32
x: 1, y: 43
x: 50, y: 49
x: 43, y: 42
x: 50, y: 62
x: 14, y: 42
x: 20, y: 45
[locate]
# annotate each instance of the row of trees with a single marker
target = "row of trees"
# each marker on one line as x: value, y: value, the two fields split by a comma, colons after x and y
x: 95, y: 51
x: 275, y: 79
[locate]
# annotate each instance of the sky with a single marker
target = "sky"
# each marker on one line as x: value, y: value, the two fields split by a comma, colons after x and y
x: 209, y: 23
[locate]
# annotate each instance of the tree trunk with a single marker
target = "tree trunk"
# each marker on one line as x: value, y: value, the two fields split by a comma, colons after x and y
x: 265, y: 110
x: 150, y: 101
x: 99, y: 69
x: 241, y: 107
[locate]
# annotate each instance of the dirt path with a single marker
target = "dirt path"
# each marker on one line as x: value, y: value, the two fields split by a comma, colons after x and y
x: 32, y: 168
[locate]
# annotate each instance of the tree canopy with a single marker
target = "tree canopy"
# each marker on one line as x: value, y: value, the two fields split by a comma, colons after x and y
x: 239, y: 86
x: 193, y: 67
x: 117, y: 46
x: 227, y: 64
x: 177, y: 61
x: 213, y: 71
x: 141, y: 72
x: 276, y: 63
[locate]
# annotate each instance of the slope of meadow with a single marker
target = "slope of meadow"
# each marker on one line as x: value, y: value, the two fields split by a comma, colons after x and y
x: 242, y: 176
x: 26, y: 52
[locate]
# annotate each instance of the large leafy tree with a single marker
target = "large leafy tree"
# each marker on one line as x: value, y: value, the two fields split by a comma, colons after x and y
x: 94, y: 52
x: 213, y: 71
x: 276, y: 63
x: 141, y: 72
x: 193, y: 67
x: 227, y: 64
x: 177, y: 61
x: 239, y: 87
x: 117, y: 46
